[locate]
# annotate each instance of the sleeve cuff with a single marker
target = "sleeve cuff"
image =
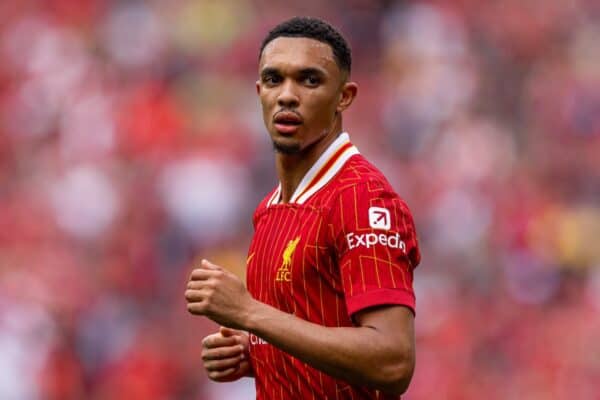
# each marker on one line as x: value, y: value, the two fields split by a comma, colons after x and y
x: 380, y: 297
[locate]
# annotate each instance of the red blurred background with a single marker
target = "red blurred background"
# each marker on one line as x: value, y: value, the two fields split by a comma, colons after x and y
x: 131, y: 144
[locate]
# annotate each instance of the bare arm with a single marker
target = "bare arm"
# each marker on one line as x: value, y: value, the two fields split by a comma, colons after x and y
x: 378, y: 353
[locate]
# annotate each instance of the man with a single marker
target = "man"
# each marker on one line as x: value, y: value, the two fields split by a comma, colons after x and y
x: 328, y: 312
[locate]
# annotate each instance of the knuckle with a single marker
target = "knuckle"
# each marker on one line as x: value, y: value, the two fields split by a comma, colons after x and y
x: 220, y: 354
x: 210, y: 284
x: 209, y: 366
x: 195, y: 308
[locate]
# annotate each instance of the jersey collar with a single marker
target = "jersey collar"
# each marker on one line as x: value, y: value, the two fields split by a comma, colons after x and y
x: 323, y: 170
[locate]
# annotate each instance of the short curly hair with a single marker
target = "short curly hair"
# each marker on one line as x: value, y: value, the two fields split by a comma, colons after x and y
x: 313, y: 28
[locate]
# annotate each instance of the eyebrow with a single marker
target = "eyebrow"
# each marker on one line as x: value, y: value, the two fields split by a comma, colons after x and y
x: 311, y: 71
x: 268, y: 71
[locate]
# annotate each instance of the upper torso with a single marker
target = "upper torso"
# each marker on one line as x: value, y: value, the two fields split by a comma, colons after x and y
x: 314, y: 258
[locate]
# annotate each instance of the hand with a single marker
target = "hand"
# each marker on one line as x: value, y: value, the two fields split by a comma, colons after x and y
x: 225, y: 355
x: 219, y: 295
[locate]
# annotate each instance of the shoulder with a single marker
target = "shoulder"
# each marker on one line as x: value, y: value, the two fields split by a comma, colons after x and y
x: 361, y: 179
x: 363, y: 198
x: 365, y: 210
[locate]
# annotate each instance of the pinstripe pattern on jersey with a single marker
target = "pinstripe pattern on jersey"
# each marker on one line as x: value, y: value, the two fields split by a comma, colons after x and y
x: 329, y: 281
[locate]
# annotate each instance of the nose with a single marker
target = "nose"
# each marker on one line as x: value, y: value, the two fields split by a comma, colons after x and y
x: 288, y: 97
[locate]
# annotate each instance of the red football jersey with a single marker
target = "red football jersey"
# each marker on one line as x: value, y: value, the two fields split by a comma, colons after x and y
x: 343, y: 243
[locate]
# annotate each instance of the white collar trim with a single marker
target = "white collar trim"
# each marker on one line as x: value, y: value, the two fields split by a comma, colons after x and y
x: 323, y: 170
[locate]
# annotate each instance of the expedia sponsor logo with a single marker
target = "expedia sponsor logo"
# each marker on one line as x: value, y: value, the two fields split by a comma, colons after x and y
x: 379, y: 218
x: 369, y: 240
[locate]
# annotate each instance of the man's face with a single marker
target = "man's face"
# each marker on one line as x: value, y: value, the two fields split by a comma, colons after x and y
x: 299, y: 88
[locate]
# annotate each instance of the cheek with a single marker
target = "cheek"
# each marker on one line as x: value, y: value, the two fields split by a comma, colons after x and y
x: 323, y: 108
x: 266, y: 107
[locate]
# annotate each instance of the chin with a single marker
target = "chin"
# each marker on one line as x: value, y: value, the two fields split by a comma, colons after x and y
x: 287, y: 148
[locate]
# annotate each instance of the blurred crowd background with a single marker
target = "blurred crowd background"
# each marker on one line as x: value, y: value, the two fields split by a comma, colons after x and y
x: 132, y: 144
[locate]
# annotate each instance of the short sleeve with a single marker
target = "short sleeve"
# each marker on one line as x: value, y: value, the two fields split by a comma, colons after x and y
x: 376, y: 246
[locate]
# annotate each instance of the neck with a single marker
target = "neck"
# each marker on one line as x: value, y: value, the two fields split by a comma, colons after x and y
x: 291, y: 168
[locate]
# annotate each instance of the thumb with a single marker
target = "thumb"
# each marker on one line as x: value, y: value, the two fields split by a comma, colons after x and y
x: 208, y: 265
x: 227, y: 332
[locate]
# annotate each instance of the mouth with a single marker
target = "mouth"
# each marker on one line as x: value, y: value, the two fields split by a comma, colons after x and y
x: 287, y: 122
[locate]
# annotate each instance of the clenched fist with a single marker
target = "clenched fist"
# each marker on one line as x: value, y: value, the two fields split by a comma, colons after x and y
x: 225, y: 355
x: 219, y: 295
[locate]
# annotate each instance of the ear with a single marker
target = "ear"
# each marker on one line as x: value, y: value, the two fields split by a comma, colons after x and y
x: 258, y: 87
x: 347, y: 95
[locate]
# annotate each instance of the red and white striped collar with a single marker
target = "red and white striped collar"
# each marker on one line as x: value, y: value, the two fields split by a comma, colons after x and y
x: 328, y: 164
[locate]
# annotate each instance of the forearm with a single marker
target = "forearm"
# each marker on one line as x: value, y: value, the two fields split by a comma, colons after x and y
x: 378, y: 353
x: 361, y: 355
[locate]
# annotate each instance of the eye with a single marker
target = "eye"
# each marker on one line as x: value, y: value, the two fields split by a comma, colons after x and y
x: 312, y: 80
x: 271, y: 79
